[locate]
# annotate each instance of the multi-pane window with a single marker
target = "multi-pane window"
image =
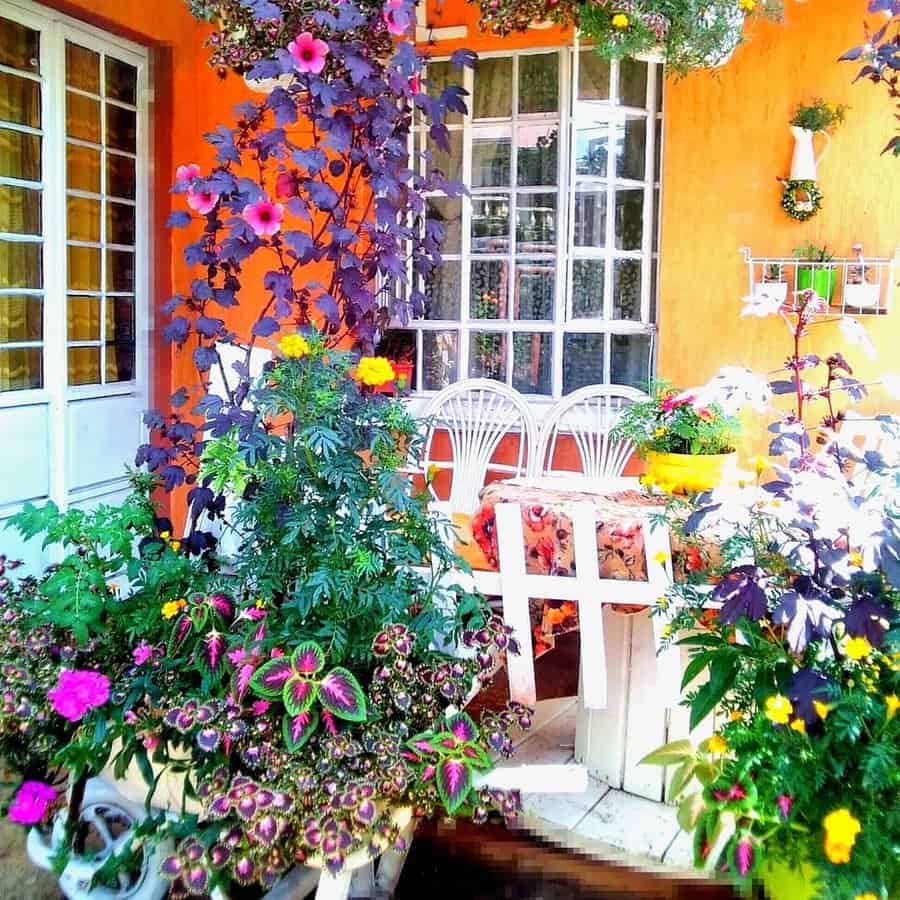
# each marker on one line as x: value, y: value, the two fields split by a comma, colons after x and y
x: 71, y: 131
x: 549, y: 266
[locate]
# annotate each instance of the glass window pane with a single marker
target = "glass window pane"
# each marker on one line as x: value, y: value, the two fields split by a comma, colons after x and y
x: 591, y: 151
x: 448, y: 164
x: 20, y: 155
x: 20, y: 265
x: 632, y: 82
x: 21, y: 318
x: 440, y: 359
x: 21, y: 368
x: 121, y: 81
x: 397, y: 344
x: 120, y: 220
x: 532, y: 363
x: 83, y: 217
x: 82, y: 118
x: 20, y: 210
x: 539, y: 83
x: 537, y: 147
x: 119, y: 362
x: 82, y: 168
x: 493, y: 88
x: 631, y: 137
x: 20, y: 100
x: 535, y: 290
x: 120, y: 178
x: 630, y: 360
x: 588, y: 288
x: 120, y: 319
x: 490, y: 224
x: 82, y: 68
x: 84, y: 365
x: 660, y: 86
x: 83, y: 318
x: 121, y: 128
x: 441, y: 75
x: 582, y: 360
x: 84, y: 268
x: 590, y: 219
x: 19, y: 46
x: 629, y: 219
x: 491, y: 159
x: 119, y: 271
x: 489, y: 289
x: 627, y: 289
x: 487, y: 355
x: 442, y: 291
x: 593, y: 76
x: 536, y: 223
x: 447, y: 212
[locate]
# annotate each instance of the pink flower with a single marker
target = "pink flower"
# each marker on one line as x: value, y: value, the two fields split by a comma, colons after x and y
x: 784, y: 804
x: 396, y: 24
x: 188, y: 172
x: 261, y: 707
x: 670, y: 403
x: 31, y: 803
x: 77, y: 692
x: 202, y: 202
x: 150, y: 741
x: 264, y: 217
x: 309, y: 53
x: 415, y: 84
x: 130, y: 717
x: 142, y: 653
x: 277, y: 652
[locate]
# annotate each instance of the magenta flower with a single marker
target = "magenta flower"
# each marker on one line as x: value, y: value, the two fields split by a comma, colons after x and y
x: 309, y: 53
x: 670, y: 403
x: 264, y: 217
x: 142, y: 653
x: 188, y: 172
x: 77, y: 692
x: 396, y: 16
x: 784, y: 804
x: 260, y: 707
x: 31, y: 802
x: 202, y: 202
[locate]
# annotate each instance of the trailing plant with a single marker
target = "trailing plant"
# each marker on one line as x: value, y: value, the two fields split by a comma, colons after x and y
x: 818, y: 115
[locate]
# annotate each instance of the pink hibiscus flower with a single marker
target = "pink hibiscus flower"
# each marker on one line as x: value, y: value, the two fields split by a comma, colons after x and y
x: 202, y: 202
x: 77, y: 692
x: 264, y: 217
x: 396, y: 16
x: 31, y: 803
x: 188, y: 172
x: 309, y: 53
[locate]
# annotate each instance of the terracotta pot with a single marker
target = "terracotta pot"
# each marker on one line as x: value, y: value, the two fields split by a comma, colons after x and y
x: 684, y: 473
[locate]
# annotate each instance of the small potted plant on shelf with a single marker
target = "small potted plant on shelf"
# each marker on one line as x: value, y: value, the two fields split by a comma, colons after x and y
x: 818, y: 274
x: 687, y: 441
x: 773, y: 283
x: 859, y: 291
x: 808, y: 120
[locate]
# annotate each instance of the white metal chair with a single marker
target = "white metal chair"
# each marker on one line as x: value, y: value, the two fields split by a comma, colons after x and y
x: 587, y: 416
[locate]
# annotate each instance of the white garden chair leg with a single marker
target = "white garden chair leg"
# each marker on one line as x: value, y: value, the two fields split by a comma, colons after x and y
x: 334, y: 887
x: 362, y: 884
x: 391, y: 862
x: 300, y: 882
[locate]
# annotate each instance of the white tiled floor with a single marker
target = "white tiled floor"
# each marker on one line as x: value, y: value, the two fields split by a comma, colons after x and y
x: 603, y: 822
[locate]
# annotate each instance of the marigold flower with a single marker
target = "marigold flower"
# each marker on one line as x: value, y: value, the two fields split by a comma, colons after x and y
x: 747, y: 5
x: 799, y: 725
x: 309, y: 53
x: 620, y: 20
x: 294, y: 346
x: 165, y: 535
x: 660, y: 432
x: 175, y: 546
x: 172, y: 608
x: 660, y: 557
x: 735, y: 716
x: 858, y: 648
x: 778, y: 709
x: 822, y: 709
x: 432, y: 473
x: 717, y: 744
x: 868, y: 895
x: 841, y: 828
x: 892, y: 701
x: 374, y: 371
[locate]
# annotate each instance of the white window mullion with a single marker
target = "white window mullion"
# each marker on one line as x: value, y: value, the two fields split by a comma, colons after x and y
x: 647, y: 215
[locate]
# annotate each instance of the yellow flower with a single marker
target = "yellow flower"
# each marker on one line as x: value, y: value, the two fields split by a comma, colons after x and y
x: 868, y: 895
x: 892, y: 701
x: 799, y: 725
x: 374, y: 371
x: 666, y: 633
x: 760, y: 464
x: 858, y: 648
x: 175, y: 545
x: 855, y: 558
x: 717, y: 744
x: 841, y: 828
x: 172, y: 608
x: 620, y: 20
x: 779, y: 709
x: 293, y: 346
x: 659, y: 432
x: 432, y: 473
x: 260, y: 604
x: 165, y: 535
x: 822, y: 709
x: 748, y: 5
x: 736, y: 715
x: 660, y: 557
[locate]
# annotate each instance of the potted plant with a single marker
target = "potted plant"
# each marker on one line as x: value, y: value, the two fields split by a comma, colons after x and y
x: 858, y: 290
x: 819, y: 275
x: 687, y: 443
x: 810, y: 119
x: 773, y: 283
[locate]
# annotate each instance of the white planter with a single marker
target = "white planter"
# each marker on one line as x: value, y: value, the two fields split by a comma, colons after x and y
x: 862, y: 296
x: 804, y: 162
x: 777, y: 290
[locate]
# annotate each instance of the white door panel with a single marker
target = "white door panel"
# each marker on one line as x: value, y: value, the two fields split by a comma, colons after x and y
x: 24, y: 454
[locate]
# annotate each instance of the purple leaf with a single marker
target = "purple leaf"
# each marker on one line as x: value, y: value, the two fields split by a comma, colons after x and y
x: 308, y: 658
x: 219, y: 854
x: 269, y: 680
x: 340, y: 693
x: 222, y: 605
x: 205, y: 358
x: 297, y: 730
x: 171, y: 867
x: 219, y: 807
x: 244, y: 870
x: 462, y: 727
x: 266, y: 326
x: 211, y: 653
x: 266, y: 830
x: 178, y: 219
x: 741, y: 595
x: 454, y: 781
x: 246, y: 808
x: 208, y: 739
x: 298, y: 696
x: 195, y: 880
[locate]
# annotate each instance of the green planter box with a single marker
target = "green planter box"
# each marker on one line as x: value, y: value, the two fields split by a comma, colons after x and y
x: 822, y: 279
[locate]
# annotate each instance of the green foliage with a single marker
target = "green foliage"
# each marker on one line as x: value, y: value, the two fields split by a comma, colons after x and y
x: 813, y: 253
x: 818, y: 115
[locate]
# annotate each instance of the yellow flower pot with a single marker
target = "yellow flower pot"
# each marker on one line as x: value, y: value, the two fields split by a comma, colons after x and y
x: 684, y: 473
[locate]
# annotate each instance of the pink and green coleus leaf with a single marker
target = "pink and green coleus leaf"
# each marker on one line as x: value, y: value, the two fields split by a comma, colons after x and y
x: 340, y: 693
x: 308, y: 658
x: 210, y: 654
x: 297, y: 730
x: 462, y: 728
x: 269, y: 680
x: 183, y: 628
x: 427, y: 742
x: 454, y: 781
x: 477, y: 756
x: 298, y: 695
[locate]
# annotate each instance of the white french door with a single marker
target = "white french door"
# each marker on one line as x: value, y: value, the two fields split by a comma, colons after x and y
x: 74, y: 250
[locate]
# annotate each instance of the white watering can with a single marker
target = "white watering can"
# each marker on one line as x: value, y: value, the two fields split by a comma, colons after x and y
x: 804, y: 161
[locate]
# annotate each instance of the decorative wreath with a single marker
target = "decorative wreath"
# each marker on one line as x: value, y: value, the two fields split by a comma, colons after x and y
x: 801, y: 199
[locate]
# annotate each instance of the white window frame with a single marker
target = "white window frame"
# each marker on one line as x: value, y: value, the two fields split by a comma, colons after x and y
x: 55, y: 29
x: 561, y: 323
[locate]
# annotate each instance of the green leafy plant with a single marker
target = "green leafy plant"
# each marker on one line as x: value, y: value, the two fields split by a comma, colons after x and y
x: 818, y: 115
x: 813, y: 253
